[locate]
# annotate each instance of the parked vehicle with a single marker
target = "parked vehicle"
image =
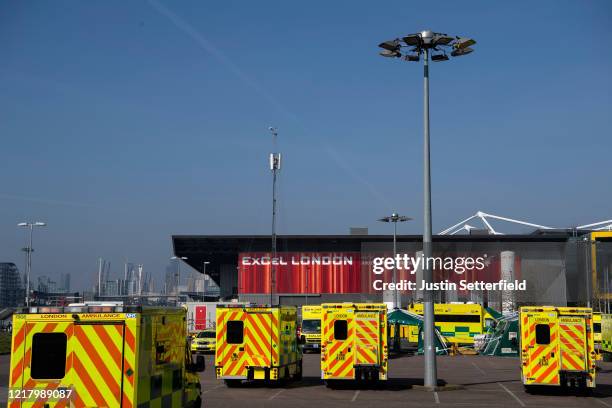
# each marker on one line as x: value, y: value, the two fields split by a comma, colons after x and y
x: 354, y: 342
x: 257, y: 343
x: 557, y: 347
x: 102, y: 356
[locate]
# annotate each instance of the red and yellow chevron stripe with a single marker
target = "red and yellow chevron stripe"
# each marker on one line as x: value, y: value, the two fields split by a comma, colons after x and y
x: 95, y: 364
x: 572, y: 342
x: 264, y: 345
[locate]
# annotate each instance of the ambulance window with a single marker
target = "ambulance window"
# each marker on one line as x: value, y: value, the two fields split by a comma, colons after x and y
x: 542, y: 334
x: 340, y: 330
x: 597, y: 327
x: 235, y: 332
x: 48, y: 356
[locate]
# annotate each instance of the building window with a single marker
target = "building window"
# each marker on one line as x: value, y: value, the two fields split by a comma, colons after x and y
x: 48, y: 355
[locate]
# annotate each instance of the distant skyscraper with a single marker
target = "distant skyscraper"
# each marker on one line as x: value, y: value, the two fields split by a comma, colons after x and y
x: 66, y: 282
x: 170, y: 279
x: 11, y: 290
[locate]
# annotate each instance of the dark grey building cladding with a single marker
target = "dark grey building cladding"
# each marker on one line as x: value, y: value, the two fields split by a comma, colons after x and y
x: 556, y: 263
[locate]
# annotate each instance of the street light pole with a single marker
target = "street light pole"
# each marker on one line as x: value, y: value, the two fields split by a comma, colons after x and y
x: 178, y: 274
x: 395, y: 218
x: 426, y: 42
x: 431, y: 375
x: 29, y: 250
x: 275, y: 165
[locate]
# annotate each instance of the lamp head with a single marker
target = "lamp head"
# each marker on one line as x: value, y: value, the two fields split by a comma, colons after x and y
x: 391, y: 45
x: 390, y: 54
x: 463, y: 42
x: 414, y: 57
x: 461, y: 51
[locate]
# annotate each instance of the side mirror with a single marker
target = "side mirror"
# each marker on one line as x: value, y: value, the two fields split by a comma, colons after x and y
x: 198, y: 366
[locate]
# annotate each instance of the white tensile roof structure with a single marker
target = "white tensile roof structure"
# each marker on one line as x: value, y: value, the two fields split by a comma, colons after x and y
x: 463, y: 226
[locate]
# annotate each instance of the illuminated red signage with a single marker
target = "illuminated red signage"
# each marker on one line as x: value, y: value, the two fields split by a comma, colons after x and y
x: 300, y: 272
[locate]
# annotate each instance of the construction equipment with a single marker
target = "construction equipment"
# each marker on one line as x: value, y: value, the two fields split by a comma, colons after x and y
x: 354, y: 342
x: 257, y: 343
x: 310, y: 329
x: 557, y: 347
x: 457, y: 322
x: 102, y: 356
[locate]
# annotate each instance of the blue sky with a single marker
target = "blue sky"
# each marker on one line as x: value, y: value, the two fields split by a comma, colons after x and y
x: 125, y: 122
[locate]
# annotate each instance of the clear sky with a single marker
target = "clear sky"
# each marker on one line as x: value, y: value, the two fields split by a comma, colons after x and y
x: 125, y: 122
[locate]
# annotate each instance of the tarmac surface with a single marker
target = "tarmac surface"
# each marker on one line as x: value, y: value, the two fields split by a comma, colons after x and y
x: 485, y: 382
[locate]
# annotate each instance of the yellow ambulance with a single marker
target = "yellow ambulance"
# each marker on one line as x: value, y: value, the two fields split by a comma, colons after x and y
x: 597, y: 334
x: 310, y: 329
x: 86, y: 355
x: 257, y: 343
x: 354, y: 342
x: 606, y: 333
x: 457, y: 322
x: 557, y: 347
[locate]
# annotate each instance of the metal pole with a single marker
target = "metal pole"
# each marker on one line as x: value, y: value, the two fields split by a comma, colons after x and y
x: 395, y: 294
x: 430, y: 379
x: 273, y: 266
x: 587, y: 270
x: 274, y: 166
x: 29, y: 266
x: 307, y: 273
x: 99, y: 277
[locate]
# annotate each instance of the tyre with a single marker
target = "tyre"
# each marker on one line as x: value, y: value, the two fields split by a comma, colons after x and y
x: 232, y: 383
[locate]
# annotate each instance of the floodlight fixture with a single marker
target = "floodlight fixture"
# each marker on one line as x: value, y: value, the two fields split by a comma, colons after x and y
x: 395, y: 218
x: 439, y: 57
x: 463, y: 42
x: 390, y: 54
x: 443, y: 39
x: 391, y: 45
x: 412, y: 57
x: 412, y: 39
x: 461, y: 51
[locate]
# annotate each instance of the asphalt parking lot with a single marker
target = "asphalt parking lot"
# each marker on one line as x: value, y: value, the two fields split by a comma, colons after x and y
x: 485, y: 381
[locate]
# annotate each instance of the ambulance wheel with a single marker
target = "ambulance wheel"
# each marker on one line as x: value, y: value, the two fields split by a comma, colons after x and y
x: 583, y: 389
x: 232, y: 383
